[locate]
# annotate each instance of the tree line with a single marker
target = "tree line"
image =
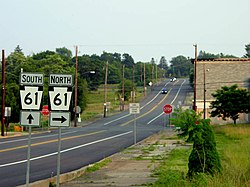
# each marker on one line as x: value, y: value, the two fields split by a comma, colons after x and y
x: 62, y: 61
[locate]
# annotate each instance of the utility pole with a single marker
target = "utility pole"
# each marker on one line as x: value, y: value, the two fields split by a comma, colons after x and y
x: 133, y: 86
x: 141, y: 72
x: 195, y: 64
x: 156, y: 73
x: 152, y: 72
x: 204, y: 71
x: 123, y: 67
x: 105, y: 91
x: 3, y: 93
x: 144, y: 80
x: 76, y: 72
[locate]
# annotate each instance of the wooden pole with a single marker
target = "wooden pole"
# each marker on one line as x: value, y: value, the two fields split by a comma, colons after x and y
x: 195, y: 64
x: 76, y: 74
x: 105, y: 90
x: 3, y: 93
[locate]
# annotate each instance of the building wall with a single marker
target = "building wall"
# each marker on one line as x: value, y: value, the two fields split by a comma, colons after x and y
x: 218, y: 73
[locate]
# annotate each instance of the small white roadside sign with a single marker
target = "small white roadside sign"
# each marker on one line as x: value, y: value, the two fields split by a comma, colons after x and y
x: 31, y: 79
x: 134, y: 108
x: 30, y: 118
x: 59, y: 119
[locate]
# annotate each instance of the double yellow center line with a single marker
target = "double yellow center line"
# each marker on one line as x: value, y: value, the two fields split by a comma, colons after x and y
x: 147, y: 111
x: 50, y: 141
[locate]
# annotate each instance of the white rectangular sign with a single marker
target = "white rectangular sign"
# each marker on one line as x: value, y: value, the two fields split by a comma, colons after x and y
x: 60, y: 80
x: 30, y: 118
x: 59, y: 119
x: 134, y: 108
x: 35, y: 79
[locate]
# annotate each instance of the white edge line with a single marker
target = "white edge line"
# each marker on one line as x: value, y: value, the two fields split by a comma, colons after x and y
x: 33, y: 138
x: 66, y: 150
x: 140, y: 108
x: 171, y: 103
x: 116, y: 119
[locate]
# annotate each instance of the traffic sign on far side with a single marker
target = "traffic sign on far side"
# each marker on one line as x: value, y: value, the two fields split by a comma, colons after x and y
x: 168, y: 109
x: 134, y: 108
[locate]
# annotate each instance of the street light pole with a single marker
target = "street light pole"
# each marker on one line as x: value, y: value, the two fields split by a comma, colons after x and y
x: 195, y: 63
x: 144, y: 80
x: 133, y: 86
x: 204, y: 70
x: 76, y: 71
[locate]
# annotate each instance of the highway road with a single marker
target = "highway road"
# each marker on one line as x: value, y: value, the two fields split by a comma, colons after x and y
x: 84, y: 145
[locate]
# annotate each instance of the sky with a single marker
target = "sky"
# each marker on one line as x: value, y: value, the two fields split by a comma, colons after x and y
x: 144, y: 29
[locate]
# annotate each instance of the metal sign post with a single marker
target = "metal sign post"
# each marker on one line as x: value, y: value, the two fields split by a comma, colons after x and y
x: 31, y: 92
x: 59, y: 157
x: 164, y: 121
x: 60, y: 93
x: 28, y: 159
x: 134, y: 128
x: 134, y: 108
x: 168, y: 110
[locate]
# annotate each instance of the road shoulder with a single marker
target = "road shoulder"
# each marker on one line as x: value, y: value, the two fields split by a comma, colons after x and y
x: 131, y: 167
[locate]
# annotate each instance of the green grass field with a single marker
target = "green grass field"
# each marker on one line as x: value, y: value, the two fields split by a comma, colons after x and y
x: 95, y: 101
x: 233, y: 144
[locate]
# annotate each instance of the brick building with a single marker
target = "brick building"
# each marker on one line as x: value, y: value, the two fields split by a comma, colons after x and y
x: 212, y: 74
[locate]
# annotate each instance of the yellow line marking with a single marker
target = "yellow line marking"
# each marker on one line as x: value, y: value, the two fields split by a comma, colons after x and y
x: 50, y: 141
x: 148, y: 111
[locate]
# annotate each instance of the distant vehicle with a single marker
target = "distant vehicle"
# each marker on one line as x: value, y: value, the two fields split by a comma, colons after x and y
x: 173, y: 79
x: 164, y: 91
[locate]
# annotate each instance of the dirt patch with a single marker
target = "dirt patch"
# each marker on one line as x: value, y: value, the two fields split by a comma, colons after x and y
x: 133, y: 166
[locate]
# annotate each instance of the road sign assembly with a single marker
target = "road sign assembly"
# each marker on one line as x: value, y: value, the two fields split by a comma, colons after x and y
x: 31, y: 93
x: 60, y: 93
x: 134, y: 108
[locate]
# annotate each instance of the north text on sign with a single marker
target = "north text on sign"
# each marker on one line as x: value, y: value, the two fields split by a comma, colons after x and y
x: 60, y: 79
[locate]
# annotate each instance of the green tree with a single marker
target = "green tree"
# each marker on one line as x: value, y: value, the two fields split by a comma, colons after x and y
x: 247, y: 48
x: 128, y: 60
x: 163, y: 63
x: 229, y: 102
x: 65, y: 53
x: 14, y: 63
x: 206, y: 55
x: 12, y: 100
x: 128, y: 87
x: 204, y: 157
x: 180, y: 66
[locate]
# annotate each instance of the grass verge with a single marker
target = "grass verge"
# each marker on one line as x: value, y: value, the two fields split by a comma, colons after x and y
x: 98, y: 165
x: 233, y: 144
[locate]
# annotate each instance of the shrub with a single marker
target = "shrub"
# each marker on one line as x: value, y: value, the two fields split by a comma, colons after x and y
x: 204, y: 157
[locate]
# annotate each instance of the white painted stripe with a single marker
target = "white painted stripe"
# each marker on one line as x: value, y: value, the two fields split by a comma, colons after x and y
x: 117, y: 119
x: 66, y: 150
x: 171, y: 103
x: 140, y: 108
x: 33, y: 138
